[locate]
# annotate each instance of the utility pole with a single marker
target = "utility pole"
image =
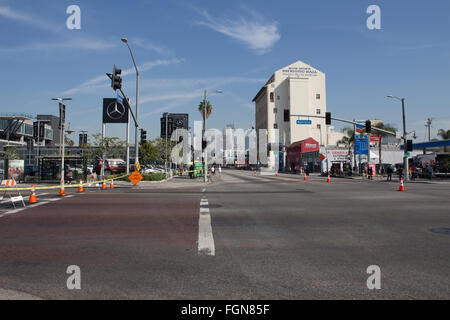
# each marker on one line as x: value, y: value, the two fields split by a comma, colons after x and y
x: 428, y: 125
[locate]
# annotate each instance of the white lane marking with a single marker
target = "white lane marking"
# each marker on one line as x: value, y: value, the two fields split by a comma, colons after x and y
x: 205, y: 236
x: 70, y: 196
x: 22, y: 209
x: 204, y: 189
x: 53, y: 199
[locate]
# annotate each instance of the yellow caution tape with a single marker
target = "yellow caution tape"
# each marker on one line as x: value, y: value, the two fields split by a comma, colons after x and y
x: 65, y: 185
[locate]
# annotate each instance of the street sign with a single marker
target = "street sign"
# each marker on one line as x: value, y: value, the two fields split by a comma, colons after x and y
x: 362, y: 145
x: 138, y: 166
x: 135, y: 177
x: 322, y: 157
x: 407, y: 154
x: 304, y: 122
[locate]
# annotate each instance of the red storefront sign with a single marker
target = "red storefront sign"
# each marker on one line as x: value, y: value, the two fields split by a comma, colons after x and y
x: 375, y: 139
x: 295, y: 151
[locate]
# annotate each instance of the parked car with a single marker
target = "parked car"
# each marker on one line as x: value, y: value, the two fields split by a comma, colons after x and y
x: 112, y: 166
x: 150, y: 169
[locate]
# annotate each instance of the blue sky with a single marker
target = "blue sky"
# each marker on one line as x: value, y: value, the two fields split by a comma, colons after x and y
x: 182, y: 47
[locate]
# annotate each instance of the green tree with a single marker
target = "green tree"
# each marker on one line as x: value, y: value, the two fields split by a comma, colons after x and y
x: 111, y: 147
x: 445, y: 135
x: 201, y: 108
x: 68, y: 141
x: 148, y: 153
x: 11, y: 153
x: 160, y: 145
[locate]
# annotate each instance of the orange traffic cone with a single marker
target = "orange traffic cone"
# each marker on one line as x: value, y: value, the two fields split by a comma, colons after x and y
x: 62, y: 192
x: 276, y: 174
x: 305, y: 178
x: 402, y: 186
x: 104, y: 185
x: 328, y: 179
x: 32, y: 195
x: 111, y: 186
x: 80, y: 187
x: 254, y: 173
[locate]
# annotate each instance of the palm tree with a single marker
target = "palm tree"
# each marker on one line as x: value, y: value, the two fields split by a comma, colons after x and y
x: 386, y: 127
x: 348, y: 140
x: 201, y: 108
x: 445, y: 135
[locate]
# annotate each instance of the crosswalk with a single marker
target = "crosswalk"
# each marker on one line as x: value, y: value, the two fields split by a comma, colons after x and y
x: 7, y: 207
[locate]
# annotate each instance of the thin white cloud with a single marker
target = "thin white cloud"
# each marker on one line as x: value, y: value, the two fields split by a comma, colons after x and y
x: 27, y: 18
x: 254, y: 31
x: 148, y: 45
x: 191, y: 83
x: 82, y: 44
x: 171, y: 96
x: 99, y: 81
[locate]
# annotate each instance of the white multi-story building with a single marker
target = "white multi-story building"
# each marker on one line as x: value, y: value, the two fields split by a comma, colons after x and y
x: 295, y: 89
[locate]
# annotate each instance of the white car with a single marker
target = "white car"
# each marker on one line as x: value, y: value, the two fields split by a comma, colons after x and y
x: 151, y: 169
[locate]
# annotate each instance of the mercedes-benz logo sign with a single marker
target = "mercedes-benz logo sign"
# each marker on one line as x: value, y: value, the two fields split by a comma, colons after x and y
x: 115, y: 111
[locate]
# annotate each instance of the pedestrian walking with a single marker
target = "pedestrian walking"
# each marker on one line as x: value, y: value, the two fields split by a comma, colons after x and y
x: 400, y: 173
x: 370, y: 173
x: 389, y: 173
x: 430, y: 172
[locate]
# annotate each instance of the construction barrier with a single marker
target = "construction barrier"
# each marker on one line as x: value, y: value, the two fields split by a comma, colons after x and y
x: 8, y: 188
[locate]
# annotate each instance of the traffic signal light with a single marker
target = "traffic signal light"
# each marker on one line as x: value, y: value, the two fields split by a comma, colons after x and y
x: 82, y: 142
x: 409, y: 145
x: 143, y: 136
x: 62, y: 114
x: 368, y: 126
x: 327, y: 118
x: 116, y: 80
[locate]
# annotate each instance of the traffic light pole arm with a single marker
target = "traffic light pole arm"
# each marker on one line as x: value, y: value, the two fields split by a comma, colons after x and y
x: 343, y: 120
x: 125, y: 97
x: 129, y: 108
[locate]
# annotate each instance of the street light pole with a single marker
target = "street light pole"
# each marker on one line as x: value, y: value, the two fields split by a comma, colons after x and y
x: 405, y: 150
x: 136, y: 159
x: 62, y: 120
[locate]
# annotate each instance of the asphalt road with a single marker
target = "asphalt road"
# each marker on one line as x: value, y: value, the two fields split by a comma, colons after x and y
x: 266, y: 238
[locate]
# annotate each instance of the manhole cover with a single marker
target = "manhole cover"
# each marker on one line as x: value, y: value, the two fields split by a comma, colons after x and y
x: 211, y: 206
x: 441, y: 230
